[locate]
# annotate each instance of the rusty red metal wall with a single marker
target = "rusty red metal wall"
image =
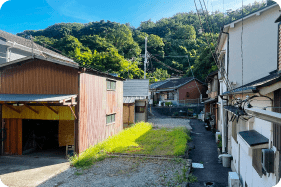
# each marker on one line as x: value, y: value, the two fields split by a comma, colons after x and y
x: 193, y: 90
x: 95, y: 102
x: 39, y: 77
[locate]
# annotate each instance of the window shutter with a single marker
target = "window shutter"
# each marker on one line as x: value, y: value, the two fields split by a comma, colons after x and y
x: 276, y: 127
x: 256, y: 160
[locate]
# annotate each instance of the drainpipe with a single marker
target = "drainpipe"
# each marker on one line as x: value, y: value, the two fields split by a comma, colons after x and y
x: 225, y: 121
x: 8, y: 54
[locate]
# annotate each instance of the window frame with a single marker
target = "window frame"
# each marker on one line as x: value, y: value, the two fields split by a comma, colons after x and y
x: 170, y: 96
x: 113, y: 116
x: 112, y: 88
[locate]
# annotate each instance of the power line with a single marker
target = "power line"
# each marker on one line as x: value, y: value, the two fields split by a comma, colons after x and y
x: 227, y: 83
x: 167, y: 66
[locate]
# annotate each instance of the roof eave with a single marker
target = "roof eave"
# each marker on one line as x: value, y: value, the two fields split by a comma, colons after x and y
x: 232, y: 24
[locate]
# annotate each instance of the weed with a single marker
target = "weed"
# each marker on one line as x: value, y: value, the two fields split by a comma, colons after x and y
x: 192, y: 178
x: 78, y: 173
x: 201, y: 162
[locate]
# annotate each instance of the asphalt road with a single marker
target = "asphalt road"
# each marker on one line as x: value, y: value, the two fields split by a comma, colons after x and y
x: 206, y: 152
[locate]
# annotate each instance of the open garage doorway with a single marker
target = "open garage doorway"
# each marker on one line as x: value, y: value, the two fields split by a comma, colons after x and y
x: 40, y: 138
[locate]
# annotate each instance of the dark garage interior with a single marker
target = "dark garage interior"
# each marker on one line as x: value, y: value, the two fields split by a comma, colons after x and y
x: 40, y: 138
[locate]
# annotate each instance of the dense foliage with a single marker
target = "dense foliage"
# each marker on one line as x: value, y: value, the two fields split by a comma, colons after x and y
x: 179, y: 42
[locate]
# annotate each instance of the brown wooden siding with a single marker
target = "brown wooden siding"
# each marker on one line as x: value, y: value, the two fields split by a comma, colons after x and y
x: 39, y: 77
x: 128, y: 114
x: 95, y: 102
x: 13, y: 141
x: 193, y: 91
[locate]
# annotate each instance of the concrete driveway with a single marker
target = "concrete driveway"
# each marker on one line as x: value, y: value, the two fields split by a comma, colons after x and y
x: 30, y: 171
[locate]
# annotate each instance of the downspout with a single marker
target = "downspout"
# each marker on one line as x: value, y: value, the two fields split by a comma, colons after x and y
x: 225, y: 121
x: 8, y: 54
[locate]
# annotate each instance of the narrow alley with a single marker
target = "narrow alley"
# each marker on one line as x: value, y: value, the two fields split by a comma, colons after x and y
x: 206, y: 152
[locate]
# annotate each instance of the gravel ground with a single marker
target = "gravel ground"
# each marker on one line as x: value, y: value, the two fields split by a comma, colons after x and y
x: 170, y: 122
x: 124, y: 172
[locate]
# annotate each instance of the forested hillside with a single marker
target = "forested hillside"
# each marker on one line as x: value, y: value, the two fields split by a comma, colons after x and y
x: 116, y: 48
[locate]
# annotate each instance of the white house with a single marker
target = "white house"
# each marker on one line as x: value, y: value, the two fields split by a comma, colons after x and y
x: 249, y: 82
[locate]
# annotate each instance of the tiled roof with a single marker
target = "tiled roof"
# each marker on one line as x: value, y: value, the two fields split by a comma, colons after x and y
x: 156, y: 84
x: 175, y: 83
x: 264, y: 81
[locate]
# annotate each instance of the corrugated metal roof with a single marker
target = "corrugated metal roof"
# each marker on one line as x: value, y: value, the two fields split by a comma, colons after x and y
x: 135, y: 87
x: 22, y: 43
x: 132, y: 99
x: 34, y: 97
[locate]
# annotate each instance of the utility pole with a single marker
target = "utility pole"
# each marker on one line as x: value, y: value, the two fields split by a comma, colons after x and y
x: 145, y: 58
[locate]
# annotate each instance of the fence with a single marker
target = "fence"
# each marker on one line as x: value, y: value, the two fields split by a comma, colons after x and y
x: 192, y: 102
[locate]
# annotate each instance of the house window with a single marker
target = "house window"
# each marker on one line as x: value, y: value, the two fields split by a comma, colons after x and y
x: 111, y: 85
x: 140, y: 109
x: 187, y: 94
x: 110, y: 118
x: 170, y: 96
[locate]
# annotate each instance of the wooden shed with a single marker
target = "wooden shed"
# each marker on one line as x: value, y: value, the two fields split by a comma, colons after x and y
x: 48, y: 101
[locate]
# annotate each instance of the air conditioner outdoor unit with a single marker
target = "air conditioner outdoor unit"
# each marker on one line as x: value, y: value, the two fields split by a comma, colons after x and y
x: 268, y: 160
x: 233, y: 179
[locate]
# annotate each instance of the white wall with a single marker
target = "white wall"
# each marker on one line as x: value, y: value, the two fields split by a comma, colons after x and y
x: 259, y: 47
x: 3, y: 51
x: 17, y: 54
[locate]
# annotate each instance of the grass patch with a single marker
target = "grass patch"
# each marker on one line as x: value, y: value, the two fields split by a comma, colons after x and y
x: 138, y: 139
x: 161, y: 142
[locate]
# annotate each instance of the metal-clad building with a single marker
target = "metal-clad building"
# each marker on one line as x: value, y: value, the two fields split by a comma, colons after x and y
x: 135, y: 101
x: 48, y: 101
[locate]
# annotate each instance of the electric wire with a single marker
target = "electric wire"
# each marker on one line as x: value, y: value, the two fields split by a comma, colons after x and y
x: 215, y: 59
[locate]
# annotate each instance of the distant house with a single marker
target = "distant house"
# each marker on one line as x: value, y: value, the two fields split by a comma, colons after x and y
x: 47, y: 101
x: 179, y: 91
x: 135, y: 101
x: 211, y: 105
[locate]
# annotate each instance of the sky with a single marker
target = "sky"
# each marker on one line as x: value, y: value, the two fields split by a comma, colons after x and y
x: 19, y: 15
